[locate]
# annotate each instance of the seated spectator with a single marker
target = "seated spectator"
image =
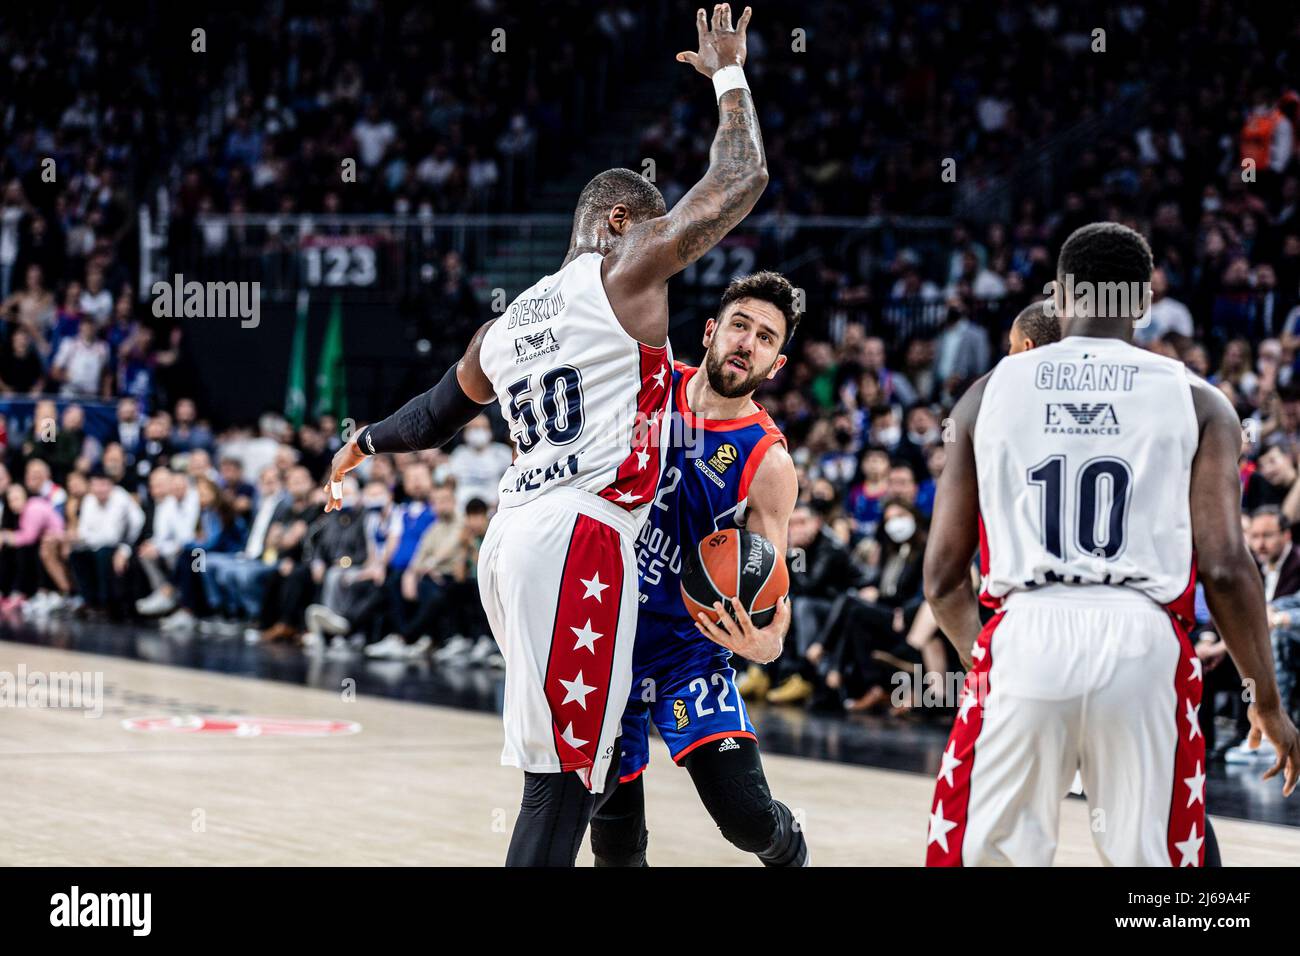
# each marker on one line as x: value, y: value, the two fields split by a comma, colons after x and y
x: 288, y: 590
x: 478, y: 463
x: 410, y: 521
x: 236, y: 581
x: 865, y: 637
x: 865, y: 498
x: 29, y: 548
x: 188, y: 432
x: 39, y: 482
x: 172, y: 514
x: 239, y: 492
x: 218, y: 530
x: 821, y: 571
x: 427, y: 583
x: 109, y: 520
x: 336, y: 543
x: 351, y: 594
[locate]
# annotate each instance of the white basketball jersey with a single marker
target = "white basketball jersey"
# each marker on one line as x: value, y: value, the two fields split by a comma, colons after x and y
x: 1083, y: 452
x: 585, y: 401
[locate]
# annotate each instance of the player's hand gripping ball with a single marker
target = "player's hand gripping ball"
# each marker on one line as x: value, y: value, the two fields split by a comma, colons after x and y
x: 735, y: 566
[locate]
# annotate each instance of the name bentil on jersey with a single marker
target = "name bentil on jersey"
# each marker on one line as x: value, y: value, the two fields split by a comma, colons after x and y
x: 1083, y: 453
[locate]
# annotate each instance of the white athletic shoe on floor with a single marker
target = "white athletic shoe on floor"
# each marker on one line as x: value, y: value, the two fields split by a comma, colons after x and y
x: 40, y: 604
x: 392, y: 647
x: 420, y: 648
x: 340, y: 649
x: 178, y: 621
x: 252, y: 636
x: 324, y: 621
x: 483, y: 648
x: 156, y: 604
x: 455, y: 650
x: 1243, y: 754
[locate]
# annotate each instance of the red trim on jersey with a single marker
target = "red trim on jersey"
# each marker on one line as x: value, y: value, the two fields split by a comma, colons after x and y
x: 755, y: 458
x: 952, y: 801
x: 633, y: 775
x: 1183, y: 607
x: 586, y: 663
x: 681, y: 754
x: 1187, y: 806
x: 635, y: 482
x: 682, y: 408
x: 988, y: 600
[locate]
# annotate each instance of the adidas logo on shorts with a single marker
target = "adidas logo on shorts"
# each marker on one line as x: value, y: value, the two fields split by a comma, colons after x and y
x: 728, y: 744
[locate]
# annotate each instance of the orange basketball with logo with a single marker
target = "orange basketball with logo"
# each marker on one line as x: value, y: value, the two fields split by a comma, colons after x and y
x: 735, y: 566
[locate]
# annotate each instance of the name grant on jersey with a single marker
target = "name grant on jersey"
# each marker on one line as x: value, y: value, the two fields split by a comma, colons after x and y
x: 1085, y: 376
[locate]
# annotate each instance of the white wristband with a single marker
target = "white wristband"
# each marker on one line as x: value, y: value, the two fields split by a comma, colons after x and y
x: 727, y: 79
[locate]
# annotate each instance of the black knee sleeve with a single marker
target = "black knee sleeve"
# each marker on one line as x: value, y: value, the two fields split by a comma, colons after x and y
x: 553, y: 816
x: 618, y: 832
x: 1212, y: 857
x: 728, y: 775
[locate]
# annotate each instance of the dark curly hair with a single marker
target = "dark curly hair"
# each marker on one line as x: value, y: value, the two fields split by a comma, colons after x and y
x: 766, y: 287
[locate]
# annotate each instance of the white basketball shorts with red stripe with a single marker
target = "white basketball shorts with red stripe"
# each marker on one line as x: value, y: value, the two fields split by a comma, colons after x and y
x: 1089, y: 678
x: 559, y: 584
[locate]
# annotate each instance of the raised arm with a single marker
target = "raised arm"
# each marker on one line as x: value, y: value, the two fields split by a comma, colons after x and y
x: 657, y: 249
x: 1233, y: 589
x: 954, y: 532
x: 427, y: 421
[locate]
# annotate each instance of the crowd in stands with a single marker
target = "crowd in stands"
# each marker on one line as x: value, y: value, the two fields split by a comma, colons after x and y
x: 221, y: 530
x: 225, y: 533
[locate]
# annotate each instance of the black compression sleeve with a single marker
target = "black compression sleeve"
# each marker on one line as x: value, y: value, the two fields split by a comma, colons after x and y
x: 427, y: 421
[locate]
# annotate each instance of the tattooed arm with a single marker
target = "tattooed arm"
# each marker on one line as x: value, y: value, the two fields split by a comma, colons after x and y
x: 651, y: 252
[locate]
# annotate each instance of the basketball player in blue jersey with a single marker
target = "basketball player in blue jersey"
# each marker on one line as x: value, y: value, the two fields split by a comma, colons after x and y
x: 726, y: 467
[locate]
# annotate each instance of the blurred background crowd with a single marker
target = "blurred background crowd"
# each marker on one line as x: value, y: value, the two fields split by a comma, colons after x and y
x: 126, y: 494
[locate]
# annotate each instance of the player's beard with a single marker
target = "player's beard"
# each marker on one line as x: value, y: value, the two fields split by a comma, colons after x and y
x: 730, y: 382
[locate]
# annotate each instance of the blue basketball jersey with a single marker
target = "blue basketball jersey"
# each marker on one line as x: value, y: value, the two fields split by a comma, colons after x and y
x: 703, y: 489
x: 682, y: 682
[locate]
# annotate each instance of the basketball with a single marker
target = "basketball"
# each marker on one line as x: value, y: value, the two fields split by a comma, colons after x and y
x: 735, y: 565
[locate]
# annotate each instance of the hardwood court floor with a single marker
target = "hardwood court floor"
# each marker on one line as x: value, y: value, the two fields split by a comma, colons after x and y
x: 417, y: 785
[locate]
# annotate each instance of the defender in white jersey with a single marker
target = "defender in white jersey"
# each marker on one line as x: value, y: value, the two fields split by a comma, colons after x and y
x: 1098, y: 480
x: 580, y: 366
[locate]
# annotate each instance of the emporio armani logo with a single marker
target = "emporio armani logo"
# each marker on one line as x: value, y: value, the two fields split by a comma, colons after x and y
x: 538, y: 343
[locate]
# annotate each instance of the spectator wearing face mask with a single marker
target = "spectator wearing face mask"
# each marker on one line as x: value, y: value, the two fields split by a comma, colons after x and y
x: 478, y: 463
x: 821, y: 572
x: 865, y: 637
x: 865, y: 500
